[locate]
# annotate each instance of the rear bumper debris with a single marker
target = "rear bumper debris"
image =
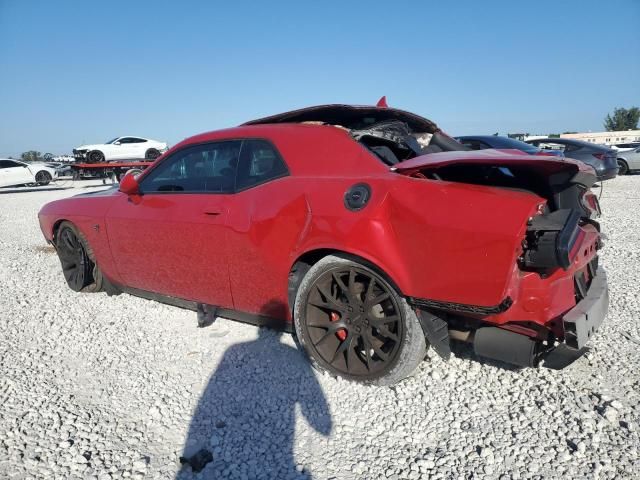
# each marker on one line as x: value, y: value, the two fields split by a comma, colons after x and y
x: 582, y: 321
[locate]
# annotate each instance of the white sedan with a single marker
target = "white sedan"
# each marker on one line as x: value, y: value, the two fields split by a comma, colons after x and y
x: 15, y: 172
x: 628, y: 161
x: 121, y: 148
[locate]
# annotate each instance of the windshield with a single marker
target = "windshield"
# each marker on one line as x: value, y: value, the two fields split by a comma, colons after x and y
x: 518, y: 145
x: 111, y: 141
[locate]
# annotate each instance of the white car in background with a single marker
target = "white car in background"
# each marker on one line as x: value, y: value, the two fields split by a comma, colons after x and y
x: 121, y: 148
x: 628, y: 160
x: 15, y: 172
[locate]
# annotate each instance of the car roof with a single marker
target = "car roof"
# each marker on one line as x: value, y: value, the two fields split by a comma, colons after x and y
x: 497, y: 141
x: 349, y: 116
x: 478, y: 137
x: 569, y: 141
x: 308, y: 149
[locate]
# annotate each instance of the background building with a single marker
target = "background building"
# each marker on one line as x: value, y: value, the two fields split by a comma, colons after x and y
x: 606, y: 138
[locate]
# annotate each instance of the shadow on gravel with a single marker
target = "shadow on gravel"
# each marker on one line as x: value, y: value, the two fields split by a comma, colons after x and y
x: 244, y: 425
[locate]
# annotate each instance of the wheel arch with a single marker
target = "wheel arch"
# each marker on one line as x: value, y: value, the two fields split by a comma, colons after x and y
x: 623, y: 160
x: 56, y: 226
x: 152, y: 149
x: 306, y: 260
x: 88, y: 154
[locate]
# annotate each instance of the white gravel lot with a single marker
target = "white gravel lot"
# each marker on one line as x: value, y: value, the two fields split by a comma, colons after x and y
x: 114, y: 387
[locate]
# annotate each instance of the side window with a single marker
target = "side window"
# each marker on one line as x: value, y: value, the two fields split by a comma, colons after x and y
x: 472, y: 144
x: 571, y: 148
x: 125, y: 140
x: 259, y: 163
x: 551, y: 146
x: 10, y: 164
x: 484, y: 146
x: 136, y: 140
x: 209, y: 168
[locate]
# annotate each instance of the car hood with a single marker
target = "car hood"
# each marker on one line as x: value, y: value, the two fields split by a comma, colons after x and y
x: 91, y: 146
x: 545, y: 164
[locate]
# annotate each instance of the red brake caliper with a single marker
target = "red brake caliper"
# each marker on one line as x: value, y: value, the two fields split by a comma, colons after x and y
x: 342, y: 333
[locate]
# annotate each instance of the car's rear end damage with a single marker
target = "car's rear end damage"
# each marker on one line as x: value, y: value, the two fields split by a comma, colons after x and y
x: 495, y: 247
x: 556, y: 294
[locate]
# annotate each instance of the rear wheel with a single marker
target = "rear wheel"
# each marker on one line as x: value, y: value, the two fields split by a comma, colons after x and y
x: 43, y: 177
x: 623, y: 168
x: 352, y: 323
x: 151, y: 154
x: 78, y: 261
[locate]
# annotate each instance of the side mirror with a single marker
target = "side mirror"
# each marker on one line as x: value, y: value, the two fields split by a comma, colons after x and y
x: 116, y: 143
x: 129, y: 185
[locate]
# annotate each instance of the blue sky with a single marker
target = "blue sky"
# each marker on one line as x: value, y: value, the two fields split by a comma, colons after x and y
x: 77, y: 71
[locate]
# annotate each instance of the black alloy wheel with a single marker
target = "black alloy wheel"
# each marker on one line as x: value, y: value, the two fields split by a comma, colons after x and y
x: 623, y: 168
x: 151, y: 154
x: 353, y: 322
x: 43, y: 178
x: 76, y: 265
x: 95, y: 156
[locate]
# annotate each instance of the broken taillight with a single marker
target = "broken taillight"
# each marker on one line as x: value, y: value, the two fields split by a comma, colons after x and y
x: 551, y: 240
x: 590, y: 203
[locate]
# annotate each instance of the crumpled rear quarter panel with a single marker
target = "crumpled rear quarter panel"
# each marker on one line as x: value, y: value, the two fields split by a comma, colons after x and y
x: 459, y: 242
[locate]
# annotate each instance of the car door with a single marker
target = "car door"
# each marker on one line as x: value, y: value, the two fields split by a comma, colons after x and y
x: 171, y: 239
x: 137, y: 147
x: 14, y: 173
x: 633, y: 159
x: 121, y: 149
x: 266, y: 216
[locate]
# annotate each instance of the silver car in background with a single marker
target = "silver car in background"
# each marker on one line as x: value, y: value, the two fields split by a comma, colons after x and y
x: 628, y: 160
x: 602, y: 159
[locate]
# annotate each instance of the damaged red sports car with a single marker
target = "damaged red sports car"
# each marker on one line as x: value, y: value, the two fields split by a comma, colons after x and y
x: 365, y: 231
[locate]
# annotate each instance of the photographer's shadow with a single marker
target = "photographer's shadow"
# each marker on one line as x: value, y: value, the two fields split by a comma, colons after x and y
x: 244, y: 424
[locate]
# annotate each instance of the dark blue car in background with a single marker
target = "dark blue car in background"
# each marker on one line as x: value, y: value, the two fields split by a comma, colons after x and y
x: 482, y: 142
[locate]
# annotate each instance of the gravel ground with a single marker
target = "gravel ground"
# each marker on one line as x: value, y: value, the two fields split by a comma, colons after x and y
x: 117, y: 387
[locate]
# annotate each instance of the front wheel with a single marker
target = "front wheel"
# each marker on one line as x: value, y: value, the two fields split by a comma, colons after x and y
x: 43, y: 178
x: 623, y: 168
x: 78, y: 262
x: 96, y: 156
x: 352, y: 323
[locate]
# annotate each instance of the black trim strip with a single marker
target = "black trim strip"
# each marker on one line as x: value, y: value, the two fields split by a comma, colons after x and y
x: 244, y: 317
x: 461, y: 307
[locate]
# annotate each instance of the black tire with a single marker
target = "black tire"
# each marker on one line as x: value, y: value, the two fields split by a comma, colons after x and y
x: 339, y: 324
x: 95, y: 156
x: 151, y: 154
x: 43, y: 177
x: 623, y: 168
x: 78, y: 261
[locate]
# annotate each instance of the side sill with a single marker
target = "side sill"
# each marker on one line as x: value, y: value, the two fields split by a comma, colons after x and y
x: 461, y: 307
x: 244, y: 317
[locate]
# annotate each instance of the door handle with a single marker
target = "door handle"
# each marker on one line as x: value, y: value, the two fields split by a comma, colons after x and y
x: 212, y: 212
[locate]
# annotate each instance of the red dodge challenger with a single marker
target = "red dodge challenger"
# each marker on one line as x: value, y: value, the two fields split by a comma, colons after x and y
x: 365, y: 231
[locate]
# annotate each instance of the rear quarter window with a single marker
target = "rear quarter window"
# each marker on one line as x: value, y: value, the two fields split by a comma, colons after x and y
x: 259, y: 162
